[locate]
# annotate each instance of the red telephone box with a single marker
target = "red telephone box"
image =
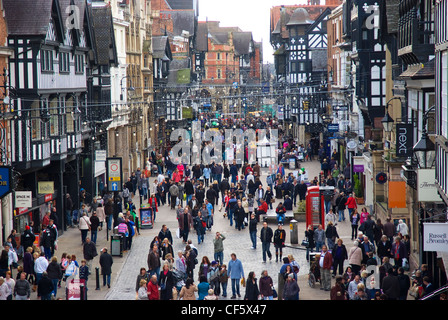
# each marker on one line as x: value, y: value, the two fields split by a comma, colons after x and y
x: 315, y: 213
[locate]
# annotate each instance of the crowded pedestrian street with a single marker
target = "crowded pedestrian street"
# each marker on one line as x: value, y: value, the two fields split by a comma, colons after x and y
x: 236, y: 151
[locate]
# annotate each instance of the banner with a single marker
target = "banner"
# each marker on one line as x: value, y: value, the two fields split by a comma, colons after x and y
x: 435, y: 237
x: 183, y: 76
x: 426, y: 186
x: 405, y: 138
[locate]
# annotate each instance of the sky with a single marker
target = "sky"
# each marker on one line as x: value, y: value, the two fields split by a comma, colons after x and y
x: 249, y: 15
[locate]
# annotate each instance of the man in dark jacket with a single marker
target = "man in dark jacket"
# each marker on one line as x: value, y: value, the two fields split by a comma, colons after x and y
x: 266, y: 235
x: 302, y: 189
x: 106, y: 262
x: 189, y: 190
x: 89, y: 252
x: 68, y: 206
x: 239, y: 215
x: 165, y: 233
x: 405, y: 284
x: 45, y: 287
x: 27, y: 238
x: 340, y: 203
x: 391, y: 285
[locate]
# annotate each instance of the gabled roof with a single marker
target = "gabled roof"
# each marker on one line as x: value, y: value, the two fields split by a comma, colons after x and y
x: 300, y: 16
x: 27, y: 17
x: 161, y: 48
x: 103, y: 38
x: 242, y: 42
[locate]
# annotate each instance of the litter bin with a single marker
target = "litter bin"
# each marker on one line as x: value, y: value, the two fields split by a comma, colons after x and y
x: 116, y: 245
x: 294, y: 236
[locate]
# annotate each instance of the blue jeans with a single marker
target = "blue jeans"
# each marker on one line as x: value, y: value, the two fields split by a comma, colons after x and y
x: 55, y: 286
x: 219, y: 256
x: 200, y: 238
x: 341, y: 215
x: 230, y: 216
x: 109, y: 222
x: 93, y: 236
x: 47, y: 251
x: 319, y: 245
x: 106, y: 279
x: 68, y: 218
x: 265, y: 247
x: 235, y: 287
x: 253, y: 238
x: 280, y: 218
x: 327, y: 206
x: 224, y: 289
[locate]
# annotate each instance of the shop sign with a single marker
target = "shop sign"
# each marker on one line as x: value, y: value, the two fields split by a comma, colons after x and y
x: 426, y: 182
x: 5, y: 181
x: 48, y: 197
x: 23, y: 199
x: 45, y: 187
x: 435, y: 237
x: 405, y: 138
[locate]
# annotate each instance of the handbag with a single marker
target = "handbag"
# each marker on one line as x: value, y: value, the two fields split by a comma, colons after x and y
x: 274, y: 292
x: 305, y: 243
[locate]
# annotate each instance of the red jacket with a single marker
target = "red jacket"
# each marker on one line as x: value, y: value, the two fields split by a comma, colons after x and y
x: 351, y: 203
x: 263, y: 207
x: 150, y: 203
x: 153, y: 291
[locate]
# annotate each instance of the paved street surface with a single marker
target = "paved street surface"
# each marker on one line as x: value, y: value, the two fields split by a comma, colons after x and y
x: 125, y: 269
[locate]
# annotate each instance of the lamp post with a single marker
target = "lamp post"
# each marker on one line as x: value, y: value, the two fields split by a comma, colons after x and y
x: 131, y: 88
x: 387, y: 121
x: 424, y: 149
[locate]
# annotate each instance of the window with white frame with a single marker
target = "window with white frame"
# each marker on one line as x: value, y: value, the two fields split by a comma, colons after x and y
x: 64, y: 62
x: 46, y: 60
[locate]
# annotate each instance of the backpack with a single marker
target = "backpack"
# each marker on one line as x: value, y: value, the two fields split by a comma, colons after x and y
x: 125, y: 193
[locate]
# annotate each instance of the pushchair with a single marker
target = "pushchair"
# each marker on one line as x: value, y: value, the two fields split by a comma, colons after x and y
x: 179, y: 279
x: 314, y: 274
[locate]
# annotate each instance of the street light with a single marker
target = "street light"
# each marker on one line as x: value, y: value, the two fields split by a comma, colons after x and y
x: 387, y: 121
x: 131, y: 88
x: 424, y: 149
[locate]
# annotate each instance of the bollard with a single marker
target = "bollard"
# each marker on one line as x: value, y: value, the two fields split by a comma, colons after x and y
x: 281, y: 285
x: 81, y: 292
x: 97, y: 276
x: 294, y: 236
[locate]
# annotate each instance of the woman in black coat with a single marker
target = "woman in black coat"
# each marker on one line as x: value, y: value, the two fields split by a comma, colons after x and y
x: 166, y: 283
x: 252, y: 292
x: 339, y: 254
x: 309, y: 235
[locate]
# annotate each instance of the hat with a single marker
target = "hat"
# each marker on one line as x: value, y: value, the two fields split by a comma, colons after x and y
x: 214, y: 262
x: 27, y: 228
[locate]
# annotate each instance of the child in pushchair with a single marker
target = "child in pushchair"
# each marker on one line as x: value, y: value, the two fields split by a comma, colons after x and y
x: 314, y: 274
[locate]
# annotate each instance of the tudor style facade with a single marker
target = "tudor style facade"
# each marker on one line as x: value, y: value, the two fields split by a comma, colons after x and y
x: 61, y: 99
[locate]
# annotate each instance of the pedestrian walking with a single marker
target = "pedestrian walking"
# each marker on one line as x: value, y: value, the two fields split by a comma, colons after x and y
x: 89, y: 252
x: 279, y: 242
x: 106, y: 262
x: 236, y: 274
x: 252, y: 291
x: 266, y: 235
